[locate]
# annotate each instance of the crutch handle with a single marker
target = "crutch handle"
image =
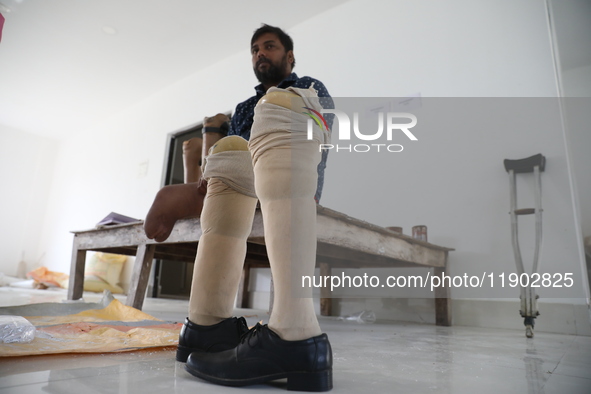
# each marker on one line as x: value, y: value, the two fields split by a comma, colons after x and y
x: 525, y: 165
x: 525, y: 211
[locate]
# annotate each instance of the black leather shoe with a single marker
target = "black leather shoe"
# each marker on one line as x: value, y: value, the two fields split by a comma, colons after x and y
x: 222, y: 336
x: 262, y: 356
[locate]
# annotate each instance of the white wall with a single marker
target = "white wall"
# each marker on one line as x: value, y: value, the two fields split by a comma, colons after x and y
x: 99, y: 169
x: 457, y: 48
x: 26, y: 170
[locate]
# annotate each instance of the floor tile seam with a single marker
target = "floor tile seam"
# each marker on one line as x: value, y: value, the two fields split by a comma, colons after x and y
x: 6, y: 388
x: 559, y: 361
x: 571, y: 376
x: 511, y: 367
x: 7, y: 377
x: 75, y: 377
x: 64, y: 379
x: 567, y: 376
x: 21, y: 385
x: 126, y: 373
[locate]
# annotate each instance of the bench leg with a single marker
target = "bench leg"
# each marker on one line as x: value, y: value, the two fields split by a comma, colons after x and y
x: 325, y: 296
x: 442, y: 300
x: 140, y: 276
x: 76, y: 282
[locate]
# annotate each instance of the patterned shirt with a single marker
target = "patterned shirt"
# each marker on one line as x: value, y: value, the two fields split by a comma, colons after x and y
x: 243, y: 116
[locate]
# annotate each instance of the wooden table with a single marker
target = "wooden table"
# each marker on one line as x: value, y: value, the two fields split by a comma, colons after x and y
x: 343, y: 242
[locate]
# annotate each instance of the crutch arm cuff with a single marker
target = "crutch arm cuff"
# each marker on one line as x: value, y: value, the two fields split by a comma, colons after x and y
x: 525, y: 165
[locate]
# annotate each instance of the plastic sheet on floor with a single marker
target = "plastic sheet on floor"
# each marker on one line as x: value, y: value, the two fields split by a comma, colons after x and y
x: 104, y: 327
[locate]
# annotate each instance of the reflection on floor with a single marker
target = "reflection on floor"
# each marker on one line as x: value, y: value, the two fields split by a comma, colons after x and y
x: 377, y: 358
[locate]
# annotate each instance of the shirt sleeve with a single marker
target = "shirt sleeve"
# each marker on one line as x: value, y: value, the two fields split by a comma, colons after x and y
x: 325, y: 100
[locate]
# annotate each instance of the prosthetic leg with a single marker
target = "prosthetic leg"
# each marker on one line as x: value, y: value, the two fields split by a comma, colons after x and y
x: 285, y: 172
x: 285, y: 167
x: 535, y: 164
x: 226, y: 222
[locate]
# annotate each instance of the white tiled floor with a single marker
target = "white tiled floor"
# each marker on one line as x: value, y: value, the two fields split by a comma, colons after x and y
x: 376, y: 358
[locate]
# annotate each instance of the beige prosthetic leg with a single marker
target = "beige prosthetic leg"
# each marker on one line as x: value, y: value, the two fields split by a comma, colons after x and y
x: 226, y: 222
x: 285, y: 168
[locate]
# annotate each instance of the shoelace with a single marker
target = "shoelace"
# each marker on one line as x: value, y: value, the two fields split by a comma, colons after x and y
x: 253, y: 332
x: 241, y: 326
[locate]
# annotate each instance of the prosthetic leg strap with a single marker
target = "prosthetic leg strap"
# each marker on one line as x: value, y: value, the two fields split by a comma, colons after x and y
x: 234, y: 168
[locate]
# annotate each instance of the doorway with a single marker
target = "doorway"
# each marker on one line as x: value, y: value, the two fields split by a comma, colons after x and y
x: 172, y: 279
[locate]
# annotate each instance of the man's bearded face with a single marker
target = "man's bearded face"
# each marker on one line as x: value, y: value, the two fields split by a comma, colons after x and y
x: 269, y: 73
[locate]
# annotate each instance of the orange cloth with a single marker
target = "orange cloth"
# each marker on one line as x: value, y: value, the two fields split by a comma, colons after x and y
x: 47, y: 277
x: 96, y: 331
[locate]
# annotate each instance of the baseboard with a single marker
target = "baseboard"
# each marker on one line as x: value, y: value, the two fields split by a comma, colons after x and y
x: 555, y: 317
x: 570, y: 318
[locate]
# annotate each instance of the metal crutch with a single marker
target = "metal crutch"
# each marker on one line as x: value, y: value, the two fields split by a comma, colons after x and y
x: 535, y: 164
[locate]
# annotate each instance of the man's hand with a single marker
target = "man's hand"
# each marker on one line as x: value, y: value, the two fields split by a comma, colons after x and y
x: 215, y: 121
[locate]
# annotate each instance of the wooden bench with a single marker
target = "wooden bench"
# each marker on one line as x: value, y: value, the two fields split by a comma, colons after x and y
x: 343, y: 242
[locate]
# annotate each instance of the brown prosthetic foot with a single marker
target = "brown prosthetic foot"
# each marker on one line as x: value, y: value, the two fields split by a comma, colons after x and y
x: 192, y: 159
x: 172, y: 203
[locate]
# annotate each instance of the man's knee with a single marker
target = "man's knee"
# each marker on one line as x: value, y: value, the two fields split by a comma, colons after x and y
x: 230, y: 143
x: 283, y: 98
x: 230, y: 161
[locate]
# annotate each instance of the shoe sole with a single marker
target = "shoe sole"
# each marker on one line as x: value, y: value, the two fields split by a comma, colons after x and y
x: 183, y: 353
x: 296, y: 381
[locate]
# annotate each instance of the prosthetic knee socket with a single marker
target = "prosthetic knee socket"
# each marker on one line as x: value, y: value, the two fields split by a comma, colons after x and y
x: 230, y: 161
x: 279, y: 137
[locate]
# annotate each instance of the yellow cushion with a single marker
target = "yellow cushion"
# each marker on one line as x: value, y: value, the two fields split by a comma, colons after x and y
x: 105, y: 266
x: 96, y: 284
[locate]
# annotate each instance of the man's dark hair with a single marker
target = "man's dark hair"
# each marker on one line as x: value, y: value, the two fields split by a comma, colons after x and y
x: 285, y: 39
